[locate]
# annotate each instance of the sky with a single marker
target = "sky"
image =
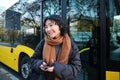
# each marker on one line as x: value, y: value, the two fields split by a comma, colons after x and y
x: 5, y: 4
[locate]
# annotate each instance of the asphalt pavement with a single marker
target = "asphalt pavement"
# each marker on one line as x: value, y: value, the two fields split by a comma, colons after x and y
x: 5, y: 75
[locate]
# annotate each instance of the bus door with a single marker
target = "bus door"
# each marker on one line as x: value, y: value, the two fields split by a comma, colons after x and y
x: 85, y: 32
x: 113, y: 33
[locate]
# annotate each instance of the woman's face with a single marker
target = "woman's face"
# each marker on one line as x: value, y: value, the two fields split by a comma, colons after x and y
x: 52, y: 29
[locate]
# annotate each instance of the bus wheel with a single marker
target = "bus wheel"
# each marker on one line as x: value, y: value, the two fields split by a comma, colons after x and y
x: 25, y: 67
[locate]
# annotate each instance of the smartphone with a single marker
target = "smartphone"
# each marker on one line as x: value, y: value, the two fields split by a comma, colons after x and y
x: 45, y: 67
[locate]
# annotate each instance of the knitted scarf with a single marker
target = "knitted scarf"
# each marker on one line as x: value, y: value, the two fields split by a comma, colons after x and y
x: 49, y: 52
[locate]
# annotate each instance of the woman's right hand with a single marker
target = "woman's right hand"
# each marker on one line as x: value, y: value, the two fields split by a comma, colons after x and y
x: 47, y: 68
x: 42, y: 65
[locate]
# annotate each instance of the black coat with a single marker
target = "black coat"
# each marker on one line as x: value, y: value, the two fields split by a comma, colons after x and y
x: 63, y: 71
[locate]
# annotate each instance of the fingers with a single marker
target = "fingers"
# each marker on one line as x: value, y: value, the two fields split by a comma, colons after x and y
x: 44, y: 63
x: 44, y: 69
x: 50, y: 69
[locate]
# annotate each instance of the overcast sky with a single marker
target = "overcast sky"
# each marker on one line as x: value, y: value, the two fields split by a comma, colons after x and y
x: 5, y: 4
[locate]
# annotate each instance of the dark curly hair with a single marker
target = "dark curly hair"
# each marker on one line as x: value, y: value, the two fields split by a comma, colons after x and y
x: 58, y: 20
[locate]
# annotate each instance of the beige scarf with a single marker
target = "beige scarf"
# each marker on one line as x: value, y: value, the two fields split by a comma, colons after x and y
x: 49, y: 52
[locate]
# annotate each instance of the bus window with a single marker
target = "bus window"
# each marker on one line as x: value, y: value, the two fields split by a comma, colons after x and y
x: 83, y: 20
x: 113, y: 25
x: 115, y: 39
x: 18, y: 32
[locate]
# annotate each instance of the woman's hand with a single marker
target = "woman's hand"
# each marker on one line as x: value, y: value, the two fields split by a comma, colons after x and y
x: 50, y: 69
x: 47, y: 68
x: 44, y: 67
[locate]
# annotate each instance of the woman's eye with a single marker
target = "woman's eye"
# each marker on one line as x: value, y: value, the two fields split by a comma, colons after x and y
x: 51, y: 25
x: 48, y: 26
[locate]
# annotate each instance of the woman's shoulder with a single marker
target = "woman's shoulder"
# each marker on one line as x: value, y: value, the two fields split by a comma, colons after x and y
x: 74, y: 50
x: 41, y: 43
x: 73, y: 44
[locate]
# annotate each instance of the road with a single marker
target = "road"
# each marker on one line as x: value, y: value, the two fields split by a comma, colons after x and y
x: 8, y: 74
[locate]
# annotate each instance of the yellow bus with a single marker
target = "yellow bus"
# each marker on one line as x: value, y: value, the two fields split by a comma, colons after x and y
x: 94, y: 25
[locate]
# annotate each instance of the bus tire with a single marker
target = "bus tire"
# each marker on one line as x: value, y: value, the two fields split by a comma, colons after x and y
x: 25, y: 67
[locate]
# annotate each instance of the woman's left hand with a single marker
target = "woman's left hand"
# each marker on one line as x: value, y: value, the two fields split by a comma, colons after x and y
x: 50, y: 69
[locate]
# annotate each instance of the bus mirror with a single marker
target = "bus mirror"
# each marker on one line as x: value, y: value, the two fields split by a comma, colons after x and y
x: 12, y: 20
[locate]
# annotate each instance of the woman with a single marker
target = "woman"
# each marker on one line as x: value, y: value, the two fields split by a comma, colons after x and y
x: 56, y: 57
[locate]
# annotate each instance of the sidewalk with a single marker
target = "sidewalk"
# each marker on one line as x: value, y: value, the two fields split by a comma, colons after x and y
x: 5, y: 75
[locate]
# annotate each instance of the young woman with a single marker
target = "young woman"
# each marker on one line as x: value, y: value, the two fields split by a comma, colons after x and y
x: 56, y: 57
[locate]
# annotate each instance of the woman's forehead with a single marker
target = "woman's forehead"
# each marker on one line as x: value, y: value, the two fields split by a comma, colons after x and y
x: 49, y: 21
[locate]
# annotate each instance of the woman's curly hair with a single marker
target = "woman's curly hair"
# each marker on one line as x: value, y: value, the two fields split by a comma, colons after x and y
x: 58, y: 20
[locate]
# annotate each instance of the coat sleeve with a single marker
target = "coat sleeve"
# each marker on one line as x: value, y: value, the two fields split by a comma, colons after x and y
x: 69, y: 71
x: 36, y: 58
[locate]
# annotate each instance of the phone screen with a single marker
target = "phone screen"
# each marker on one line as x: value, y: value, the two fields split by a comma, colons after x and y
x: 45, y: 67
